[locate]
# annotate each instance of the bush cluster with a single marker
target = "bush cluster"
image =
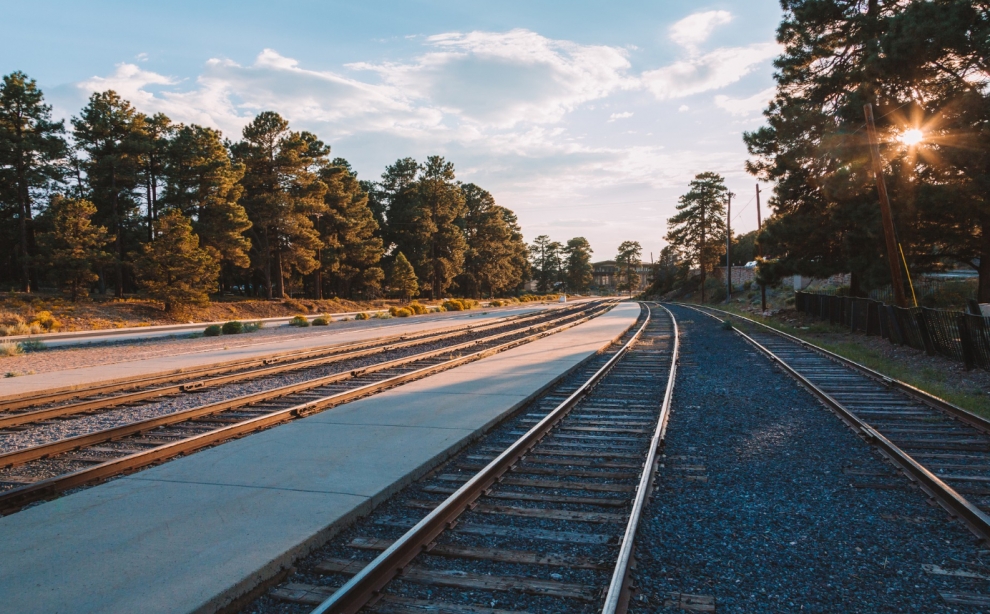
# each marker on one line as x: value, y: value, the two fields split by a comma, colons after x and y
x: 362, y: 316
x: 416, y: 308
x: 299, y: 321
x: 322, y: 321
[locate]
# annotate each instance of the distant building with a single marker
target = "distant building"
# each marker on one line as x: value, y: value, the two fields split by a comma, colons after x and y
x: 605, y: 277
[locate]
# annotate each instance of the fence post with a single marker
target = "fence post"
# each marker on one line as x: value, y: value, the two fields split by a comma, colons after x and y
x: 873, y: 326
x: 896, y: 333
x: 969, y: 358
x: 926, y: 338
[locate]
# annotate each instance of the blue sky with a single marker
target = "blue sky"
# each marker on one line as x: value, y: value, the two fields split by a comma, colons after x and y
x: 587, y: 119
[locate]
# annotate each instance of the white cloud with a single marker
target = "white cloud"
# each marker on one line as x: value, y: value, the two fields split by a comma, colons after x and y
x: 696, y: 28
x: 502, y: 79
x: 683, y: 108
x: 615, y: 116
x: 745, y: 106
x: 707, y: 72
x: 141, y: 57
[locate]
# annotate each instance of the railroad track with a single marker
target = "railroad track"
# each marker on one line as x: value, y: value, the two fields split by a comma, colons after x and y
x: 539, y: 516
x: 41, y: 471
x: 941, y: 448
x: 29, y: 408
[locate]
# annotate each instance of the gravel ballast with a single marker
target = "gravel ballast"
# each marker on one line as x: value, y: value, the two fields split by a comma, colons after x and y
x: 769, y: 503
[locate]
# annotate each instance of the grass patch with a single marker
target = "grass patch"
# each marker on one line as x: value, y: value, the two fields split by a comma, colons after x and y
x: 8, y: 348
x: 322, y: 321
x: 299, y: 321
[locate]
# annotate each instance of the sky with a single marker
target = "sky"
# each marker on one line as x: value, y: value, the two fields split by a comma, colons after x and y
x: 585, y: 118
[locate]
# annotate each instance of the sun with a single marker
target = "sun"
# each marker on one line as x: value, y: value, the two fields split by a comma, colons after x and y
x: 911, y: 137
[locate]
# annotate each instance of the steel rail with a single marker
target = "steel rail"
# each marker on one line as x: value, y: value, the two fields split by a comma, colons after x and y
x: 620, y: 588
x: 953, y: 502
x: 18, y: 457
x: 12, y: 500
x: 978, y: 422
x: 33, y: 399
x: 269, y: 366
x: 368, y: 583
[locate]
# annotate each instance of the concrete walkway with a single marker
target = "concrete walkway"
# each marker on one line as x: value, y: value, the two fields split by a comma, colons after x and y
x: 190, y: 535
x: 354, y: 331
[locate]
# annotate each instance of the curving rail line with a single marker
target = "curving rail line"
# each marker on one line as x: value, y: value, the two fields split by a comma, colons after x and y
x: 588, y: 462
x: 942, y: 448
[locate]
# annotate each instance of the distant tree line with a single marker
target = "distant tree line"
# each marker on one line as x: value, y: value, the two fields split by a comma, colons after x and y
x: 122, y: 201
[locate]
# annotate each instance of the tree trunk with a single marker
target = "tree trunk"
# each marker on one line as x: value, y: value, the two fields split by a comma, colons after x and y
x: 25, y: 214
x: 267, y: 268
x: 983, y: 292
x: 279, y: 278
x: 118, y: 264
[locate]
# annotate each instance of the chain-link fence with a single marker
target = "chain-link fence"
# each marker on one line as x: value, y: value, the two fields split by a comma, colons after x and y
x: 954, y: 334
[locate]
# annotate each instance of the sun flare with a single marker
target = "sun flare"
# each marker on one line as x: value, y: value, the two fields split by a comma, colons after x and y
x: 911, y: 137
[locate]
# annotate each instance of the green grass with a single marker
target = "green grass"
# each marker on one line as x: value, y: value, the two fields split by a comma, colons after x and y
x: 943, y: 384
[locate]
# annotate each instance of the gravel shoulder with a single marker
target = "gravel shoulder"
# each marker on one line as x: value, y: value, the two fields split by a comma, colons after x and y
x: 768, y: 503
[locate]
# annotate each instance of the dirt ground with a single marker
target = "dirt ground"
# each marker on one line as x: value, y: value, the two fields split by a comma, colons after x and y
x: 98, y: 312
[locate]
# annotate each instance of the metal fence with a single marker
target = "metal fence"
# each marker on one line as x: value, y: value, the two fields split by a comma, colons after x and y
x: 954, y: 334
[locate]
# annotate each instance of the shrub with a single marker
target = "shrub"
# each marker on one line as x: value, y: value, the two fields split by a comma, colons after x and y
x: 383, y: 315
x: 416, y: 308
x: 213, y: 330
x: 299, y: 321
x: 747, y: 284
x: 33, y: 345
x: 233, y: 328
x: 47, y: 321
x: 250, y: 327
x: 361, y: 316
x: 453, y: 304
x: 34, y: 328
x: 726, y: 325
x: 402, y: 313
x: 9, y: 348
x: 321, y: 321
x: 393, y: 310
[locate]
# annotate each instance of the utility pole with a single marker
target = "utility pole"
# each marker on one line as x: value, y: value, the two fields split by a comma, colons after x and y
x: 759, y: 249
x: 728, y: 250
x: 888, y: 220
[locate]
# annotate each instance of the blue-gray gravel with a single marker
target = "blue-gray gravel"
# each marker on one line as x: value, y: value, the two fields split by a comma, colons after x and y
x: 780, y: 525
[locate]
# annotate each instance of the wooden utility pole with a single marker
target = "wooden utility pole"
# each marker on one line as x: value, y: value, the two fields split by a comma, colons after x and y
x: 728, y: 250
x: 888, y: 221
x: 759, y: 248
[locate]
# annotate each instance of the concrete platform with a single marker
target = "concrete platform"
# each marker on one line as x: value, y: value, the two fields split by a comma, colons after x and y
x: 345, y: 332
x: 192, y: 534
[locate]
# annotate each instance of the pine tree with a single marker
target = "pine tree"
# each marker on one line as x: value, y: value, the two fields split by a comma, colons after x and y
x: 31, y: 149
x: 578, y: 271
x: 107, y: 130
x: 75, y: 245
x: 698, y: 229
x: 490, y: 265
x: 403, y: 282
x: 153, y: 135
x: 203, y: 183
x: 545, y: 256
x: 174, y: 268
x: 627, y: 260
x: 352, y: 250
x: 282, y: 194
x: 422, y: 217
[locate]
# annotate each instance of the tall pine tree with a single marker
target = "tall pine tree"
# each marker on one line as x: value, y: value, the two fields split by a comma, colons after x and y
x: 282, y: 194
x: 697, y: 230
x: 31, y: 151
